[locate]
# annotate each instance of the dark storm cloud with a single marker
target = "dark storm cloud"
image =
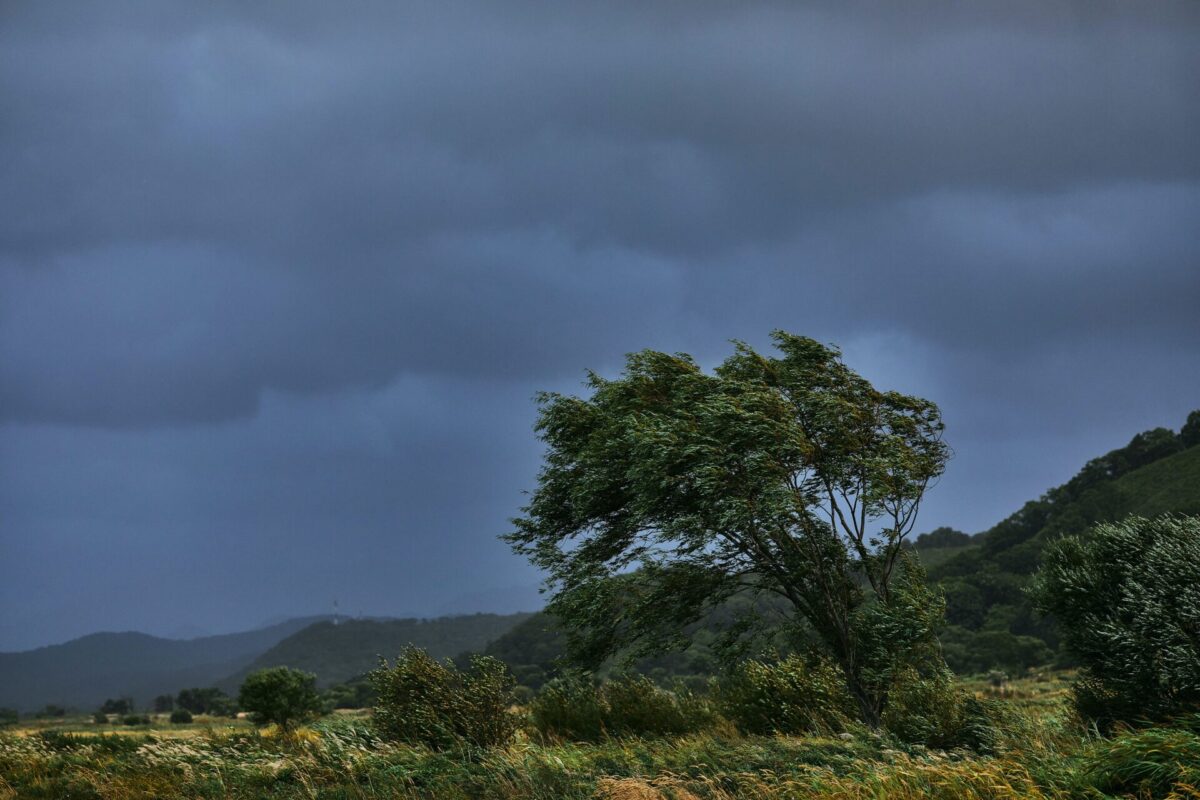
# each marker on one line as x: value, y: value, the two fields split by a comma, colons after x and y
x: 225, y: 228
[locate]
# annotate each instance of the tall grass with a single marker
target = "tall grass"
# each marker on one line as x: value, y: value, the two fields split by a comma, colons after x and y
x: 1042, y: 753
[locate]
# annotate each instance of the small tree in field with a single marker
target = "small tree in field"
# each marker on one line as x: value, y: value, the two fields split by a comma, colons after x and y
x: 670, y: 489
x: 1127, y: 599
x: 280, y: 695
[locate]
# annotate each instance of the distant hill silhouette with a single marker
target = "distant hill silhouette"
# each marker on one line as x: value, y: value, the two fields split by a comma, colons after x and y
x: 83, y: 672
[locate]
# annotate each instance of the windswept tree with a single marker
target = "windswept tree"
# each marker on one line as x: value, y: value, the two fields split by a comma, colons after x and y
x: 669, y: 490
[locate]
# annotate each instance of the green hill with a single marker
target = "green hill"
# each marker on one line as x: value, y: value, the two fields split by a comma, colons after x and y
x: 992, y: 623
x: 337, y: 653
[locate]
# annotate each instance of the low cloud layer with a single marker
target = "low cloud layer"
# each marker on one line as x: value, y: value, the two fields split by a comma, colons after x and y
x: 277, y: 284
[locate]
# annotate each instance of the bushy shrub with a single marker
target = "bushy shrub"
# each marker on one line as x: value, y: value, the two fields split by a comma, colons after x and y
x: 930, y: 710
x: 425, y: 701
x: 636, y: 706
x: 575, y: 707
x: 135, y: 719
x: 1127, y: 599
x: 569, y: 707
x: 181, y: 716
x: 100, y: 718
x: 791, y: 696
x: 280, y: 695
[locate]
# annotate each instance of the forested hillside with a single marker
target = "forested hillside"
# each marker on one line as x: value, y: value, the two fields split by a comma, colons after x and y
x: 337, y: 653
x: 991, y: 620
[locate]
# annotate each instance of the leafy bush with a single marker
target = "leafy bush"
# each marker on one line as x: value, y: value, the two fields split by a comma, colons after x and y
x: 100, y: 718
x: 135, y: 719
x: 569, y: 707
x: 280, y: 695
x: 930, y: 710
x: 426, y: 701
x: 1127, y: 598
x: 574, y: 707
x: 181, y: 716
x: 790, y: 696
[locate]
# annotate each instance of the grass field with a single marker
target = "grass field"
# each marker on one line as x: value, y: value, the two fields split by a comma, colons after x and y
x: 1042, y: 754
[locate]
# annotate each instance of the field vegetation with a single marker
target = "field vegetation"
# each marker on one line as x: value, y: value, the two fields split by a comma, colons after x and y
x: 1041, y: 750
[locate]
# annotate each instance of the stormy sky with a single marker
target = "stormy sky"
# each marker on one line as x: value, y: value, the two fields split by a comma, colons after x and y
x: 278, y: 281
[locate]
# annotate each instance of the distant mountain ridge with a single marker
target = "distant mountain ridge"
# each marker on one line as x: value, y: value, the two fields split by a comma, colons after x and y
x: 84, y: 672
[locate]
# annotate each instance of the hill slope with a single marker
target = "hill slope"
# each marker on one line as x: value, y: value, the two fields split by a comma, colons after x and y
x: 337, y: 653
x: 83, y: 672
x: 992, y: 623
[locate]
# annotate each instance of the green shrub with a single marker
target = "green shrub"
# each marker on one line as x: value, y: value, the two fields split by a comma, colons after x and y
x: 790, y: 696
x: 100, y: 718
x: 931, y: 711
x: 569, y: 707
x: 426, y: 701
x: 135, y: 719
x: 181, y: 716
x: 574, y: 707
x: 280, y: 695
x: 1127, y: 599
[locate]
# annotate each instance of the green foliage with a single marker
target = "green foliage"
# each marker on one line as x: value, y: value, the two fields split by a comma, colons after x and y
x: 792, y: 696
x: 1158, y: 762
x: 569, y: 707
x: 280, y: 695
x: 135, y: 719
x: 930, y: 710
x: 358, y: 693
x: 575, y: 707
x: 8, y: 716
x: 164, y: 703
x: 50, y: 711
x: 942, y: 537
x: 670, y: 490
x: 181, y: 716
x: 425, y: 701
x: 100, y: 718
x: 210, y: 700
x: 1127, y: 596
x: 123, y: 705
x: 1189, y: 434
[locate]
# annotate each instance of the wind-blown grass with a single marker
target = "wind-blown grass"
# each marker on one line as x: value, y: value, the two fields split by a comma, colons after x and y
x: 1041, y: 754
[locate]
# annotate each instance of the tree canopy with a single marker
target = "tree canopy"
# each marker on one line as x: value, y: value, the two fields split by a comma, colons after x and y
x: 670, y: 489
x: 280, y: 695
